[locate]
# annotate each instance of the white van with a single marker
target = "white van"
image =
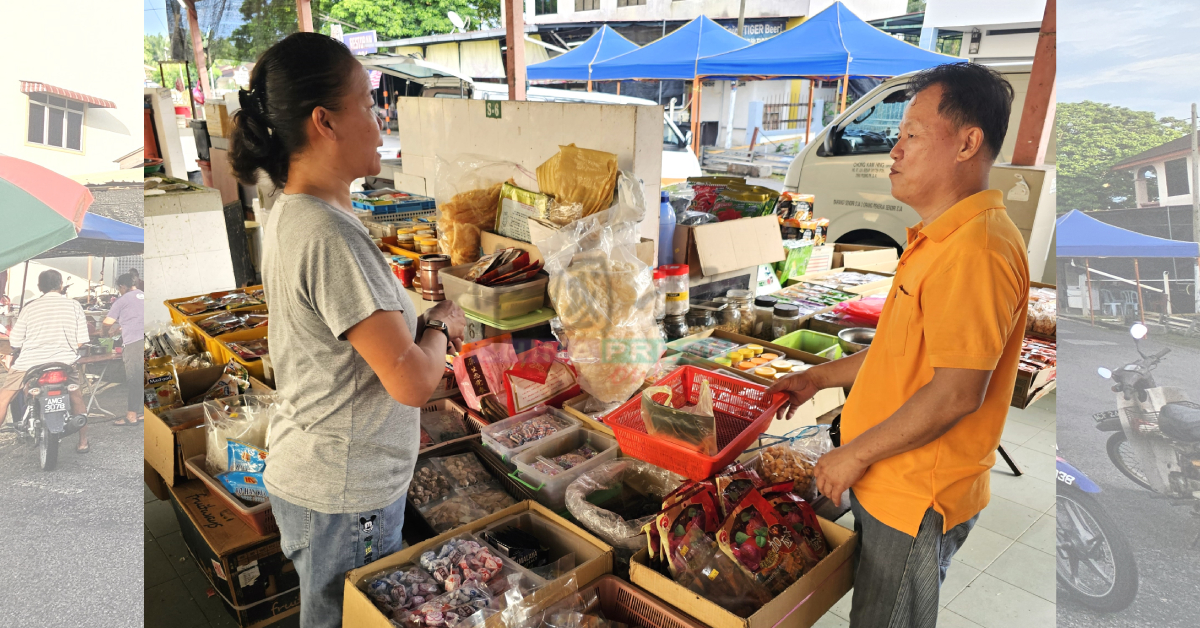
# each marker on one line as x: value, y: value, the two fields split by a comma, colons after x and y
x: 846, y: 164
x: 678, y: 160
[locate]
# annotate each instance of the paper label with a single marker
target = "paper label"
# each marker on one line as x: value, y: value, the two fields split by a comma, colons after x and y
x: 527, y: 393
x: 677, y: 296
x: 513, y: 221
x: 248, y: 576
x: 217, y: 569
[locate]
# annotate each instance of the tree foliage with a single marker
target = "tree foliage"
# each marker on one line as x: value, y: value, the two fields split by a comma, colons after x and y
x: 1092, y: 137
x: 267, y: 21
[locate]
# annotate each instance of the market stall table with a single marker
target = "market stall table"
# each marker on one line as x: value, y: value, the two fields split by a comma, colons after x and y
x: 93, y: 387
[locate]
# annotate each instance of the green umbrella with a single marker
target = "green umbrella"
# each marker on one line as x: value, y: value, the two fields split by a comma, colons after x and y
x: 39, y: 210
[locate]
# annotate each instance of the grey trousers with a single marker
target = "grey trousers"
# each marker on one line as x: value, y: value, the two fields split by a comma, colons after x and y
x: 898, y: 577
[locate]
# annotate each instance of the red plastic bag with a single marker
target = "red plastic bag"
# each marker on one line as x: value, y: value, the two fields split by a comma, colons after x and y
x: 864, y: 312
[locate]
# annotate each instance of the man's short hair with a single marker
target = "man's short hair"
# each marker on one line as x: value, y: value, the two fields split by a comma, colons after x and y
x: 125, y: 281
x: 972, y: 94
x: 49, y: 281
x: 134, y: 271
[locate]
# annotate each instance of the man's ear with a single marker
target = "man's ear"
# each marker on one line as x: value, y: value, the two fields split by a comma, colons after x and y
x: 970, y: 142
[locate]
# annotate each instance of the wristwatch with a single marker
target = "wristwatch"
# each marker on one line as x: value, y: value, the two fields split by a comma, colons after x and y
x: 440, y: 326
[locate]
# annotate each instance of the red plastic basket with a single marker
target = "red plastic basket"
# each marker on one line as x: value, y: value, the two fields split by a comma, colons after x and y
x: 743, y: 412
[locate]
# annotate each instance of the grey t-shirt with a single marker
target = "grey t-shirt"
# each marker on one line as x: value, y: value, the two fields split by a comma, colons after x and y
x: 338, y: 442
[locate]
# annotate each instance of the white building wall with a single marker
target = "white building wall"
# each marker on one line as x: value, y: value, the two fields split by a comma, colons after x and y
x: 672, y: 10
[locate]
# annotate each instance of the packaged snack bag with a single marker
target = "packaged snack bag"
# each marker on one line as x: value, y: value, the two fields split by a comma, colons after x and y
x: 246, y: 457
x: 801, y: 517
x: 733, y: 484
x: 161, y: 391
x: 699, y: 509
x: 762, y: 543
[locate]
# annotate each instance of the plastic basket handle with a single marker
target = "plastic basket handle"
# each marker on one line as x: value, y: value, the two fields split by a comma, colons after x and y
x: 515, y: 477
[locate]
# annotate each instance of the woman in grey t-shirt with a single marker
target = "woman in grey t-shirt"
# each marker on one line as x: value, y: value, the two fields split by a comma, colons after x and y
x: 353, y: 364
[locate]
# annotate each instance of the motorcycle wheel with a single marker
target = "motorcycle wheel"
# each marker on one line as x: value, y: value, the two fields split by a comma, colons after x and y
x: 1125, y: 460
x: 47, y: 449
x: 1095, y: 562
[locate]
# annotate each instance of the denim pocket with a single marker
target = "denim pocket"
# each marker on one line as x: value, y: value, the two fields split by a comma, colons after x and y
x: 295, y: 525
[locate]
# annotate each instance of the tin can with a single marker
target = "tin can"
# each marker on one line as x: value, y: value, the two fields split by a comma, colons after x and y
x: 431, y: 284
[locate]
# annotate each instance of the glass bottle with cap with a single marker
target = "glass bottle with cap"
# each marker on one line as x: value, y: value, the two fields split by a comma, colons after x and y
x: 729, y: 317
x: 660, y: 296
x: 675, y: 327
x: 785, y: 319
x: 764, y: 309
x: 742, y: 300
x: 700, y: 320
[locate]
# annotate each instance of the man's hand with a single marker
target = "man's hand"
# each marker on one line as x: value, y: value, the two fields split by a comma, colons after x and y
x: 456, y: 322
x: 800, y: 387
x: 837, y: 471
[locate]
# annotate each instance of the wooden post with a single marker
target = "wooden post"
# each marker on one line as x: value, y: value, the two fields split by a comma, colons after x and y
x: 24, y: 280
x: 304, y: 16
x: 514, y: 26
x: 845, y: 88
x: 808, y: 120
x: 618, y: 88
x: 753, y: 141
x: 696, y: 117
x: 1137, y: 275
x: 1091, y: 306
x: 589, y: 86
x: 1033, y: 136
x: 198, y: 51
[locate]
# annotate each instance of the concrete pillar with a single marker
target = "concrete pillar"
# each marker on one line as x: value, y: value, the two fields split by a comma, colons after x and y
x: 754, y: 119
x: 1139, y: 191
x: 929, y: 37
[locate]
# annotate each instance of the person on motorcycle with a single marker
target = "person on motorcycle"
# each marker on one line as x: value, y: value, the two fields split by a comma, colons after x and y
x: 50, y: 328
x: 930, y: 396
x: 128, y: 312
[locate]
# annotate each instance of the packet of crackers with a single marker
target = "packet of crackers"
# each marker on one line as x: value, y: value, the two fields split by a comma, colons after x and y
x: 161, y: 389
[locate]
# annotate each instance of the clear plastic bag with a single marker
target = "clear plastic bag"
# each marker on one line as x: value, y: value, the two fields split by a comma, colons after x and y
x: 443, y: 426
x: 708, y: 572
x: 604, y: 296
x: 580, y: 175
x: 244, y: 418
x: 617, y: 499
x: 793, y: 458
x: 694, y: 426
x: 468, y: 198
x: 693, y: 218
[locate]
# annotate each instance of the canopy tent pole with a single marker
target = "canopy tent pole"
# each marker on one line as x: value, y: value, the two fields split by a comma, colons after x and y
x: 1091, y: 306
x: 808, y: 120
x: 589, y: 85
x: 1167, y: 290
x: 89, y: 279
x: 729, y: 118
x: 845, y: 88
x: 1137, y: 275
x: 618, y: 88
x: 24, y: 281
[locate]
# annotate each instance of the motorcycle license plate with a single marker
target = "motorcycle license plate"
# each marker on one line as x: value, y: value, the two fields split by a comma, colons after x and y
x: 55, y: 404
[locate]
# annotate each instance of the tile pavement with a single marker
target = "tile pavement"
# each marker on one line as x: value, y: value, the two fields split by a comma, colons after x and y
x: 1004, y: 574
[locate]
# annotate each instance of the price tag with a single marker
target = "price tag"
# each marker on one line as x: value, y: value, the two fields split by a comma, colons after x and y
x: 492, y: 109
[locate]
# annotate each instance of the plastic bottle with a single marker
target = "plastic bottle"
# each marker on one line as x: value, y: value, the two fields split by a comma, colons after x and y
x: 666, y: 231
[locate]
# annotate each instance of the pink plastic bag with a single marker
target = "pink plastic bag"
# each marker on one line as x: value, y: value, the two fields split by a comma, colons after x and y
x: 864, y: 312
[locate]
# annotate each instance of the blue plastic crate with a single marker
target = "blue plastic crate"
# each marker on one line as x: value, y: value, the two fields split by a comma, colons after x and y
x: 416, y: 203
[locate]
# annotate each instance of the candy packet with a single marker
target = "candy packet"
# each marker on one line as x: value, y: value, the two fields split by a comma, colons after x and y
x: 699, y: 509
x: 706, y: 570
x: 762, y: 543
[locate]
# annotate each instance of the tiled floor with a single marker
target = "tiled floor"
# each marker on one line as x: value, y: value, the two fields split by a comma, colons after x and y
x: 178, y: 595
x: 1003, y: 577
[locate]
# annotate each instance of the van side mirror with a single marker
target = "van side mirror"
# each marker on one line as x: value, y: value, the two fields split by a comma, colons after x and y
x: 687, y: 138
x: 830, y: 140
x: 1138, y: 331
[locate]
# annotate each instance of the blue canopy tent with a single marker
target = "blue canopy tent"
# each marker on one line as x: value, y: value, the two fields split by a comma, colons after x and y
x: 672, y: 57
x: 101, y: 237
x: 577, y: 64
x: 1080, y: 235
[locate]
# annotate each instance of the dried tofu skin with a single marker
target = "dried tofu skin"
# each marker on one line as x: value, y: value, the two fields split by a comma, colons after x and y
x: 580, y: 175
x: 462, y: 220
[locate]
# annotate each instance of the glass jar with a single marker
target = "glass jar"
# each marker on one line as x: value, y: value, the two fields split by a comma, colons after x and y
x: 405, y: 271
x: 660, y: 297
x: 743, y: 301
x: 764, y: 311
x: 675, y: 287
x: 785, y: 319
x: 729, y: 317
x: 675, y: 327
x: 699, y: 321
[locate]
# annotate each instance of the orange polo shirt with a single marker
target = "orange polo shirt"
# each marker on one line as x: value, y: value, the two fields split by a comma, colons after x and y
x: 958, y: 301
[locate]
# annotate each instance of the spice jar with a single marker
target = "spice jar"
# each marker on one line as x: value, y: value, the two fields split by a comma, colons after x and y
x: 764, y: 308
x: 675, y: 327
x: 660, y: 297
x: 405, y: 271
x: 406, y: 241
x: 700, y: 320
x: 785, y: 319
x: 729, y: 318
x: 743, y: 301
x: 675, y: 285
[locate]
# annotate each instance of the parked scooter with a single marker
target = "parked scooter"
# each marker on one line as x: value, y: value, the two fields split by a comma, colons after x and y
x: 1156, y: 430
x: 1095, y: 562
x: 41, y: 411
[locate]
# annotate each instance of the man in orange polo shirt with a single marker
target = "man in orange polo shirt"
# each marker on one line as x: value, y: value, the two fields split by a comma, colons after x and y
x: 923, y: 420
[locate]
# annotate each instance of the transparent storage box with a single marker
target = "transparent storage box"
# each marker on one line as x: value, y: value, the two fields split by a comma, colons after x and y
x: 496, y: 438
x: 552, y: 489
x: 497, y: 303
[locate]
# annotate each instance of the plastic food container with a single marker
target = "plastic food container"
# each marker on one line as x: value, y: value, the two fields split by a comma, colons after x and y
x: 258, y: 516
x: 493, y: 434
x: 552, y: 489
x: 497, y: 303
x: 743, y: 412
x: 813, y: 342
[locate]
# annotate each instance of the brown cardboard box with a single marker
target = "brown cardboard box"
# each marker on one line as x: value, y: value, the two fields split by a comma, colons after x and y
x: 831, y: 256
x: 492, y: 241
x: 728, y: 246
x: 868, y: 288
x: 251, y: 574
x: 178, y: 434
x: 217, y: 116
x: 1033, y: 386
x: 799, y: 606
x: 155, y: 483
x: 593, y: 557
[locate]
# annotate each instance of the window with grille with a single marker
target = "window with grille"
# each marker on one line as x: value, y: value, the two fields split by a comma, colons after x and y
x: 587, y: 5
x: 631, y: 3
x: 545, y: 7
x: 55, y: 121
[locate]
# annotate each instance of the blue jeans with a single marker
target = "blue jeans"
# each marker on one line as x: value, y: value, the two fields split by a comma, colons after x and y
x: 324, y: 547
x: 899, y: 577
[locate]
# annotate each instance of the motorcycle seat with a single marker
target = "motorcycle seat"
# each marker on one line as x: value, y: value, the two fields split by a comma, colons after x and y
x: 1180, y: 422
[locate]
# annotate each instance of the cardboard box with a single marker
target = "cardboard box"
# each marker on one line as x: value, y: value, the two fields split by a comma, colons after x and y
x: 155, y: 483
x: 727, y: 246
x: 492, y: 241
x: 867, y: 288
x: 1033, y: 386
x: 799, y: 606
x: 217, y: 116
x: 593, y: 557
x: 830, y: 256
x: 174, y: 436
x: 251, y: 574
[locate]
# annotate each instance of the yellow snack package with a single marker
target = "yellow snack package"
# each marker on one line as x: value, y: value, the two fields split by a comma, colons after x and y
x: 517, y: 206
x: 161, y: 391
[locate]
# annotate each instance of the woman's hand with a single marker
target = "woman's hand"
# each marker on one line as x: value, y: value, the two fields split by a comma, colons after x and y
x: 456, y: 321
x: 800, y: 387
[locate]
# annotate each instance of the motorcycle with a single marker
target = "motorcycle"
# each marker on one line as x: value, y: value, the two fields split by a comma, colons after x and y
x: 41, y: 410
x: 1094, y: 561
x: 1156, y: 430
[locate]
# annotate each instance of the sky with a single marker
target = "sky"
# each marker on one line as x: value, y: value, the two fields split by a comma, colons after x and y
x: 1132, y: 53
x: 156, y: 17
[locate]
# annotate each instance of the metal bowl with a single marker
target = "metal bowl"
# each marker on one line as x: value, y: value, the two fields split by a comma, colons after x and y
x: 855, y: 339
